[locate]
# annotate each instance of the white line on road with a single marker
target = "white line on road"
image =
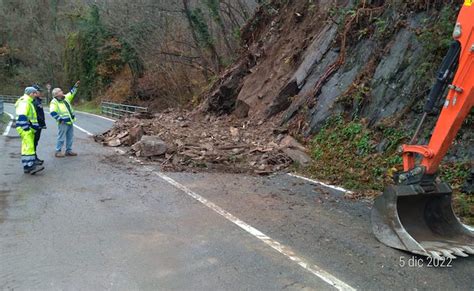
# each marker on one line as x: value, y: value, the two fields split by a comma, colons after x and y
x: 76, y: 126
x: 83, y: 130
x: 9, y: 126
x: 282, y: 249
x: 321, y: 183
x: 96, y: 115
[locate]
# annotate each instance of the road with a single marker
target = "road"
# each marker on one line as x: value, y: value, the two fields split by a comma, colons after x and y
x: 103, y: 220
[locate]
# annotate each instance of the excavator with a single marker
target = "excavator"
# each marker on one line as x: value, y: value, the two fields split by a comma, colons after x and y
x: 415, y: 214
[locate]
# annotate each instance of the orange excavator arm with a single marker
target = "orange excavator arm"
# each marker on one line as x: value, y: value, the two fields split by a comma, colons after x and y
x: 416, y: 213
x: 460, y: 98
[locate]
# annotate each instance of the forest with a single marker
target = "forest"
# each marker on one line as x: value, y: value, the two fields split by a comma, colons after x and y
x: 121, y: 50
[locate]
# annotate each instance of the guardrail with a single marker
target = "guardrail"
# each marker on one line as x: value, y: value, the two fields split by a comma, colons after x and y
x: 1, y: 106
x: 9, y: 98
x: 12, y: 99
x: 116, y: 110
x: 119, y: 110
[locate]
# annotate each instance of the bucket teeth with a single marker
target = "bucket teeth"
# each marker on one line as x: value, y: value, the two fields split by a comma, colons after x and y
x: 436, y: 255
x: 468, y: 249
x: 459, y: 252
x: 447, y: 253
x: 406, y: 218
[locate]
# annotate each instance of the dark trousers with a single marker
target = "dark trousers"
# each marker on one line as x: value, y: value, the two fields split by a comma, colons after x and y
x: 37, y: 138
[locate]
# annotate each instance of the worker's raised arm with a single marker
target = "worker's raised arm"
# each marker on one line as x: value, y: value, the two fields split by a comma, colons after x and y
x: 70, y: 96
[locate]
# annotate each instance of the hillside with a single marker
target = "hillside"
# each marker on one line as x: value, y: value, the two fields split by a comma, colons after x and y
x: 370, y: 64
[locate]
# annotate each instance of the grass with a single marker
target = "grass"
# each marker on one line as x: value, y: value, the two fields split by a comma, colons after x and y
x: 88, y: 106
x: 347, y: 153
x: 455, y: 174
x: 4, y: 120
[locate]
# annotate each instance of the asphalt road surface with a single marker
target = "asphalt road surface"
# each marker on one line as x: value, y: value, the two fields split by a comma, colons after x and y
x: 103, y: 220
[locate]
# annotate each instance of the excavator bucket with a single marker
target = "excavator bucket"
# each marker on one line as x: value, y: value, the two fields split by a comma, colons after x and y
x: 410, y: 218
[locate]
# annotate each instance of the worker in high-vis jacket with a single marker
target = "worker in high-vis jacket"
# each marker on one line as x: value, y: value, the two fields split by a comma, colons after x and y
x: 61, y: 109
x: 26, y: 126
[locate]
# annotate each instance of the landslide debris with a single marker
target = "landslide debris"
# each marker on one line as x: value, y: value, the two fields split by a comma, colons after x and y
x: 181, y: 140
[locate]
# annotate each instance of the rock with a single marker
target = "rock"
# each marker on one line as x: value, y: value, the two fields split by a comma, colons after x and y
x: 122, y: 135
x: 234, y: 131
x: 280, y: 130
x: 223, y: 96
x: 241, y: 109
x: 114, y: 142
x: 382, y: 146
x: 283, y: 100
x: 290, y: 142
x: 135, y: 134
x: 150, y: 146
x: 208, y: 146
x: 298, y: 156
x: 179, y: 143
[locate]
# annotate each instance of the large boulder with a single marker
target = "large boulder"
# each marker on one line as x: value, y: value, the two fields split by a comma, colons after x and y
x: 150, y: 146
x: 295, y: 151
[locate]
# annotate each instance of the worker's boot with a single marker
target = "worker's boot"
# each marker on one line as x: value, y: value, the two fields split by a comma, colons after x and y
x: 33, y: 170
x: 71, y: 154
x: 39, y: 162
x: 59, y: 155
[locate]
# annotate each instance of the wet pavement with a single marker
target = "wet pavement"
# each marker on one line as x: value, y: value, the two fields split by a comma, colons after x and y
x: 103, y: 221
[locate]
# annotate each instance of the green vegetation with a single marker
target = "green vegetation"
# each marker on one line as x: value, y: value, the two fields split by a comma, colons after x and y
x: 95, y: 56
x: 345, y: 153
x: 350, y: 154
x: 201, y: 28
x: 88, y: 106
x: 4, y: 120
x: 455, y: 174
x: 435, y: 38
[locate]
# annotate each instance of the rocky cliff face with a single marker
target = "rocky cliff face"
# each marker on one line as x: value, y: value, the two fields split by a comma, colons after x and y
x: 303, y: 62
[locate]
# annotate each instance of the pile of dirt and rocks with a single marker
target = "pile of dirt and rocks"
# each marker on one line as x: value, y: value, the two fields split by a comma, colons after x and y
x: 185, y: 141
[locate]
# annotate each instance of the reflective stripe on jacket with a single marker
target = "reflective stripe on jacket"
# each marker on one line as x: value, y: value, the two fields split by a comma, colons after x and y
x: 62, y: 110
x: 26, y: 114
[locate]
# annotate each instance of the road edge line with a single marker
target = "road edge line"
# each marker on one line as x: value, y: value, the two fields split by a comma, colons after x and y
x: 9, y: 126
x: 282, y: 249
x: 96, y: 115
x: 320, y: 183
x: 83, y: 130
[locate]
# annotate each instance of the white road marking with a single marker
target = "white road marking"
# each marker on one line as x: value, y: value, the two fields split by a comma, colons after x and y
x: 320, y: 183
x: 9, y: 126
x: 96, y: 115
x: 83, y: 130
x: 282, y: 249
x: 77, y: 126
